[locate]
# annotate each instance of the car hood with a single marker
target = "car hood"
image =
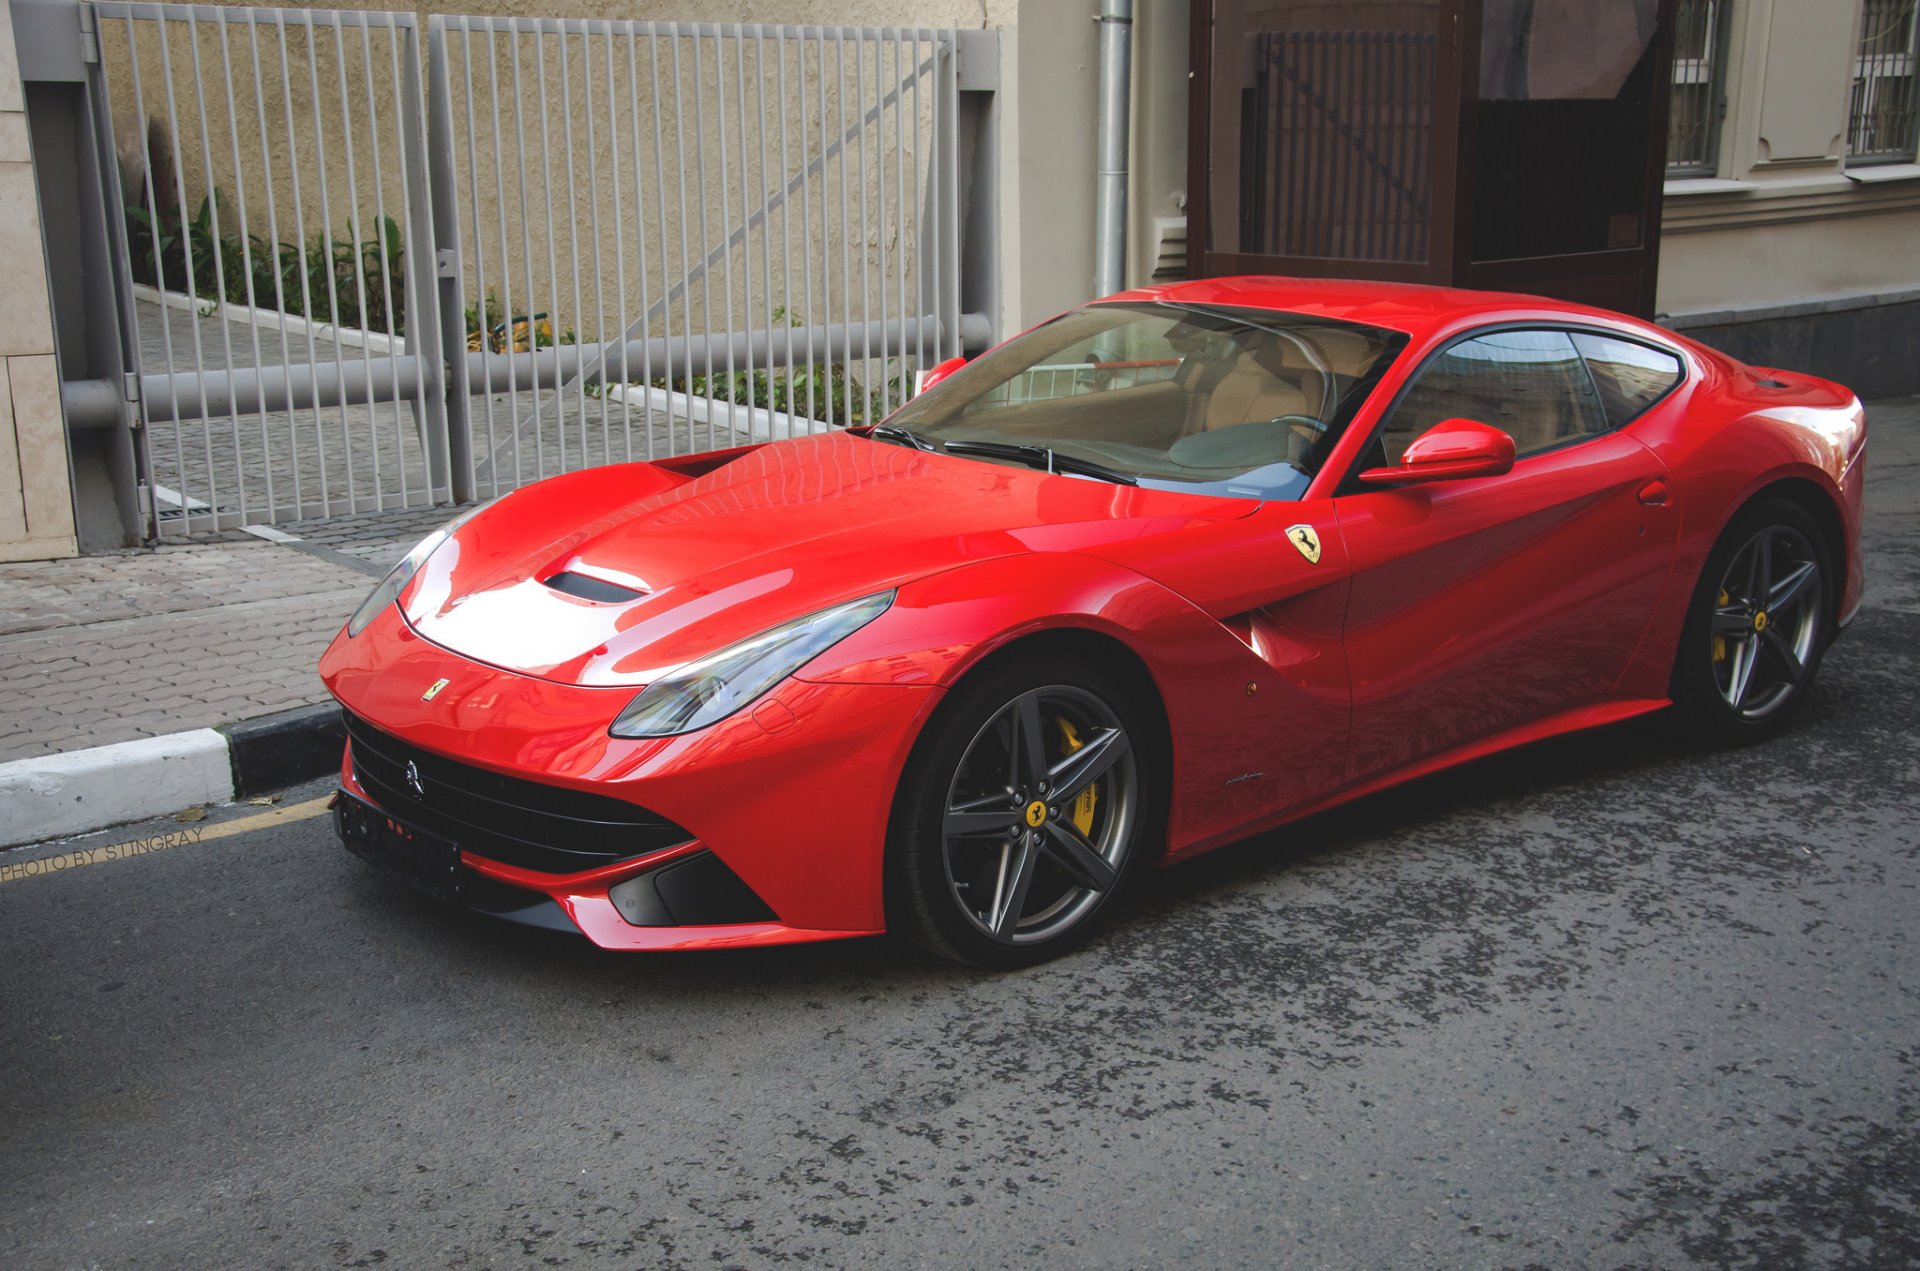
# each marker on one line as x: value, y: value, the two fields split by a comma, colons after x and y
x: 780, y: 531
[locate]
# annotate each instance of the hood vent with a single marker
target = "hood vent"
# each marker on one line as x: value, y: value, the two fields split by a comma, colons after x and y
x: 595, y: 589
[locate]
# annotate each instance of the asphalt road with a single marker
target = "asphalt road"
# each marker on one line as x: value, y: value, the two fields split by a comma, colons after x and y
x: 1610, y: 1002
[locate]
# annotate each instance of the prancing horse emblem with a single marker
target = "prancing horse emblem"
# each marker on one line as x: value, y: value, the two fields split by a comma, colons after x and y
x: 1304, y: 538
x: 414, y: 783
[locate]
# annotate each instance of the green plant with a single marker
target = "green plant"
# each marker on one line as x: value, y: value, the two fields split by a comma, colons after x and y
x: 169, y: 251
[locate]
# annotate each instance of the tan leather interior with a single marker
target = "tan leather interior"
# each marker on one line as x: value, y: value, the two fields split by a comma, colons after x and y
x: 1251, y: 392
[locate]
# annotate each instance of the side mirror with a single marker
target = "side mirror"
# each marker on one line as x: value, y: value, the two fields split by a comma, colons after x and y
x: 1448, y: 451
x: 928, y: 378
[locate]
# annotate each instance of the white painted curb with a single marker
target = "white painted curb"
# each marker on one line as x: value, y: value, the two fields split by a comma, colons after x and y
x: 86, y: 790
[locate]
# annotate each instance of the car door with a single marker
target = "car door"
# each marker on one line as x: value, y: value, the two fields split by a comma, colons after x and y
x: 1485, y: 603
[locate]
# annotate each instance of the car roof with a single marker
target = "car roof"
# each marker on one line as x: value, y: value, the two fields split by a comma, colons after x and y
x: 1409, y: 307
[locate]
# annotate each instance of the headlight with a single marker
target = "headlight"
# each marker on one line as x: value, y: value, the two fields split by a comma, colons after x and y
x: 389, y: 588
x: 707, y: 691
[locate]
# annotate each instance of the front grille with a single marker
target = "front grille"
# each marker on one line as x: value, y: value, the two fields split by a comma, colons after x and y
x: 507, y: 819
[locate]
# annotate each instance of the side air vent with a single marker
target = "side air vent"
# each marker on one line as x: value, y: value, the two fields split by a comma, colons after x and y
x: 597, y: 589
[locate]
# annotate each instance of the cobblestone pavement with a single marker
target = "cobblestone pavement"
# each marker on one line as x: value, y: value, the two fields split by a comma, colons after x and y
x: 138, y: 644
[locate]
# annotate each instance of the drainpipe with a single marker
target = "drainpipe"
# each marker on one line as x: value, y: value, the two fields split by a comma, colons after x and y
x: 1110, y: 191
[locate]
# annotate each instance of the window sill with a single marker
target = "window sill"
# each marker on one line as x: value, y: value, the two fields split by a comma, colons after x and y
x: 1876, y: 173
x: 1680, y: 187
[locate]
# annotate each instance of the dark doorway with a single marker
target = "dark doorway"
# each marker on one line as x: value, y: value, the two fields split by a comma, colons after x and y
x: 1508, y: 144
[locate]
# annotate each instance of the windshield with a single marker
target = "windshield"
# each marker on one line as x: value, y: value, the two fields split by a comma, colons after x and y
x: 1244, y: 403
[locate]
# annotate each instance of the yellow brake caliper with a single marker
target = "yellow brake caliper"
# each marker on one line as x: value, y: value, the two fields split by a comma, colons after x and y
x: 1720, y: 641
x: 1082, y: 806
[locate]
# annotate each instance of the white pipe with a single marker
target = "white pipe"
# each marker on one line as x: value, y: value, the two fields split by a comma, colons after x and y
x: 1110, y: 190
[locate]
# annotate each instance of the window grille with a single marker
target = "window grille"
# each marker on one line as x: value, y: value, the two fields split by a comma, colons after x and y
x: 1881, y: 125
x: 1699, y: 88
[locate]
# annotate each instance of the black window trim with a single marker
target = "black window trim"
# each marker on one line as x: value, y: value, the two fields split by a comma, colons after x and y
x: 1350, y: 480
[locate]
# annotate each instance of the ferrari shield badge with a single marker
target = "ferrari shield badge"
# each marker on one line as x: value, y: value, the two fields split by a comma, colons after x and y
x: 1304, y: 538
x: 433, y: 690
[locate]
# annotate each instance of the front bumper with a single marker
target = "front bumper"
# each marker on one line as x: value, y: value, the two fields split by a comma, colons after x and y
x: 791, y: 796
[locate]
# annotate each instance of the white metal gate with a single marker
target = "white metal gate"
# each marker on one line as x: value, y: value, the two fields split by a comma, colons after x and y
x: 371, y: 265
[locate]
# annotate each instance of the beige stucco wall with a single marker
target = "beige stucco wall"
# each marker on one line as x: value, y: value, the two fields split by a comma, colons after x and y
x: 1786, y: 220
x: 1045, y: 178
x: 36, y: 501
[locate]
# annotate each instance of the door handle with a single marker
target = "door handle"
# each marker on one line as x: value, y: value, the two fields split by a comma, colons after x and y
x: 1654, y: 493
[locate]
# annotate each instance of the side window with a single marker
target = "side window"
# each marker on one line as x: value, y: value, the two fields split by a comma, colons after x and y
x: 1631, y: 377
x: 1529, y: 384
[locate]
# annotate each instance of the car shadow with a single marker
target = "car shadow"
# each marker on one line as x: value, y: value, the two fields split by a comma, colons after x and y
x: 571, y: 966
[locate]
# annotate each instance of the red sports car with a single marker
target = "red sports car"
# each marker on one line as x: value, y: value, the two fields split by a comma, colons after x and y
x: 1167, y: 570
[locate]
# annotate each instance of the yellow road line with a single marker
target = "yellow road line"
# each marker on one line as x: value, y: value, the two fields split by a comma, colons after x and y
x: 164, y: 841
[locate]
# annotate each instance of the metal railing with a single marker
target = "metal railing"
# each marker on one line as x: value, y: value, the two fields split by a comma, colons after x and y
x: 1883, y: 122
x: 371, y: 262
x: 1698, y: 100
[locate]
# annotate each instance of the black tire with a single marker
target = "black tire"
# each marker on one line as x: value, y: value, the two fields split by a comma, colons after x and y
x: 1778, y: 643
x: 961, y: 894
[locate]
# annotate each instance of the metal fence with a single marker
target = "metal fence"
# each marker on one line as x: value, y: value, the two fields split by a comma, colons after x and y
x: 1698, y: 98
x: 375, y: 263
x: 1883, y: 124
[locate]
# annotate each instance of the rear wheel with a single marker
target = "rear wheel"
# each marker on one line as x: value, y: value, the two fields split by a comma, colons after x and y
x: 1022, y: 814
x: 1758, y: 626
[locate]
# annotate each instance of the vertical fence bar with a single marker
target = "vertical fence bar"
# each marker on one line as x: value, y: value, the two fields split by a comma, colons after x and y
x: 786, y: 222
x: 246, y: 255
x: 479, y: 250
x: 219, y: 254
x: 947, y: 144
x: 419, y: 272
x: 920, y: 242
x: 866, y: 253
x: 766, y: 229
x: 458, y: 458
x: 553, y: 259
x: 807, y: 240
x: 354, y: 230
x: 579, y: 325
x: 593, y: 229
x: 686, y: 261
x: 159, y: 278
x: 506, y: 276
x: 726, y: 230
x: 526, y: 257
x: 900, y: 256
x: 386, y: 273
x: 300, y: 255
x: 640, y: 245
x: 746, y: 221
x: 619, y: 254
x: 192, y: 293
x: 326, y: 249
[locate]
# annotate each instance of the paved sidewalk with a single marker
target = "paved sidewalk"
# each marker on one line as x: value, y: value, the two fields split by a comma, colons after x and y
x: 186, y: 635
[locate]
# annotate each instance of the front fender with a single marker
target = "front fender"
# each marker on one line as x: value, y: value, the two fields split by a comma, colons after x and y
x: 1248, y: 735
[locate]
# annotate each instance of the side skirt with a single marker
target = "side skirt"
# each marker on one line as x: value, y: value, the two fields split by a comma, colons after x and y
x: 1579, y: 719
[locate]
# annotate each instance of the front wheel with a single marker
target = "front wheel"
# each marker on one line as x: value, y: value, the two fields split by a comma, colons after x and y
x: 1022, y: 814
x: 1758, y: 626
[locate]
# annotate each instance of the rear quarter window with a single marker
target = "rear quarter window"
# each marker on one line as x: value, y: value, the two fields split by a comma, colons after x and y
x: 1630, y: 377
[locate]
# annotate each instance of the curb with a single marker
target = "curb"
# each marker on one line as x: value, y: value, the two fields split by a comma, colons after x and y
x: 53, y: 796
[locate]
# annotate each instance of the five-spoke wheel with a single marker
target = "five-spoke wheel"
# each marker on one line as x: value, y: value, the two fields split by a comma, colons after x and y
x: 1759, y: 624
x: 1021, y: 814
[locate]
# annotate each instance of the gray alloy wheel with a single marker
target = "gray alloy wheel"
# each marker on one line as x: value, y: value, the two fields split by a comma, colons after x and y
x: 1040, y: 814
x: 1759, y: 626
x: 1766, y: 621
x: 1028, y: 803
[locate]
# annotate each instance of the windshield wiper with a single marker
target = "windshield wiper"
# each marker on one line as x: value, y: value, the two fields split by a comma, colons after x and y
x: 902, y: 436
x: 1042, y: 458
